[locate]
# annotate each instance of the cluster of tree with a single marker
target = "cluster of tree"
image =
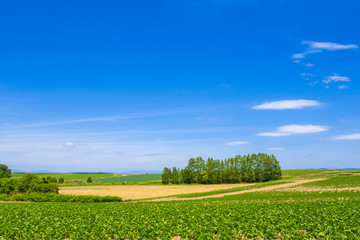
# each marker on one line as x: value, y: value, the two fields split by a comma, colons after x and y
x: 28, y: 183
x: 248, y: 168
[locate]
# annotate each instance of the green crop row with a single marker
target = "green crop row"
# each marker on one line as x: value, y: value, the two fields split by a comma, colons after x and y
x: 188, y: 219
x: 51, y: 197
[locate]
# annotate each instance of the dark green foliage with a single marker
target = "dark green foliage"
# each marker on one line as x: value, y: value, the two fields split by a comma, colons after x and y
x: 188, y: 219
x: 89, y: 180
x: 61, y: 180
x: 248, y: 168
x: 28, y: 183
x: 166, y: 176
x: 51, y: 197
x: 5, y: 172
x: 8, y: 185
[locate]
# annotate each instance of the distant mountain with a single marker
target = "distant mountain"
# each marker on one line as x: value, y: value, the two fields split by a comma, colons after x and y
x: 350, y: 169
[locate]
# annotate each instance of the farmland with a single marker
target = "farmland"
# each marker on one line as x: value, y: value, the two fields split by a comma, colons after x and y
x: 101, y: 178
x: 148, y: 191
x: 323, y: 209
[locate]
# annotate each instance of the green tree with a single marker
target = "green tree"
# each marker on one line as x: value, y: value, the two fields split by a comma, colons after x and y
x: 166, y: 176
x: 89, y: 180
x: 61, y: 180
x: 5, y: 172
x: 28, y: 182
x: 175, y: 176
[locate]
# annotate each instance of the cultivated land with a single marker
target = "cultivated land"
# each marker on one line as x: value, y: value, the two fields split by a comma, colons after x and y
x: 101, y: 178
x: 138, y: 192
x: 298, y: 207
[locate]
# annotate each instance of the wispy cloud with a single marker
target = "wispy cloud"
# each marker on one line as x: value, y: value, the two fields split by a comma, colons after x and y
x: 274, y: 149
x: 103, y: 119
x: 69, y: 145
x: 343, y: 87
x: 329, y: 45
x: 313, y: 83
x: 336, y: 78
x: 316, y: 47
x: 288, y: 130
x: 287, y: 104
x: 236, y: 143
x: 303, y: 54
x: 354, y: 136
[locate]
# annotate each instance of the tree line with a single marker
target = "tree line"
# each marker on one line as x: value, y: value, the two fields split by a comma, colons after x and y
x: 28, y: 183
x: 259, y: 167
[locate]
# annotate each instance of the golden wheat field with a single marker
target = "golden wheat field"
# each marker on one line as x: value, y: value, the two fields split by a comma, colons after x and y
x: 138, y: 192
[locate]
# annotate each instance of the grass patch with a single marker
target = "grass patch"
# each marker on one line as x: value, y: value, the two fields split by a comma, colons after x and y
x: 229, y: 190
x: 69, y: 176
x: 309, y: 173
x: 337, y: 182
x: 137, y: 178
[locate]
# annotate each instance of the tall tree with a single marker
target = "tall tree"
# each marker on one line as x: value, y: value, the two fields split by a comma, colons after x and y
x: 5, y: 172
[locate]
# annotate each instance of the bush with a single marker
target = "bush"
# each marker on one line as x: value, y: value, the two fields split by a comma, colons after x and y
x: 61, y: 180
x: 8, y: 185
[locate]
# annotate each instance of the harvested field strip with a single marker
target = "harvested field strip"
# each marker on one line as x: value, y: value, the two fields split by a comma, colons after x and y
x: 268, y: 188
x: 140, y: 192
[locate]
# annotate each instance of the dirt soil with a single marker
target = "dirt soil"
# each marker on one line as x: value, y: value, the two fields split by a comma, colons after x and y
x: 139, y: 192
x: 268, y: 188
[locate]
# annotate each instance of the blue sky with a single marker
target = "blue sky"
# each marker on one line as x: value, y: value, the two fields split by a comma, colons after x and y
x: 138, y: 85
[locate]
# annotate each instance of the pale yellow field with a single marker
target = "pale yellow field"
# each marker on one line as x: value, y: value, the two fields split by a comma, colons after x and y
x: 138, y: 192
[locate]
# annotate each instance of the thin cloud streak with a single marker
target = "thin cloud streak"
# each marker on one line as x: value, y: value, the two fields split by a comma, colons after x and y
x: 354, y: 136
x: 329, y: 45
x: 287, y: 104
x: 317, y: 47
x: 236, y: 143
x: 288, y: 130
x: 101, y: 119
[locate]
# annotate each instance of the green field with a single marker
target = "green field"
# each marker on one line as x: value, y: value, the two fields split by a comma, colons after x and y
x: 298, y: 212
x: 100, y: 177
x: 136, y: 178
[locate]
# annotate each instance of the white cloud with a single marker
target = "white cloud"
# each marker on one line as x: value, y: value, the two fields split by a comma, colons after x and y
x: 235, y: 143
x: 273, y: 134
x: 354, y: 136
x: 313, y: 83
x: 303, y: 54
x: 329, y: 45
x: 302, y: 129
x: 336, y: 78
x: 343, y: 87
x: 316, y: 47
x: 69, y: 145
x: 275, y: 149
x: 288, y: 130
x: 288, y: 104
x: 304, y: 74
x: 309, y: 64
